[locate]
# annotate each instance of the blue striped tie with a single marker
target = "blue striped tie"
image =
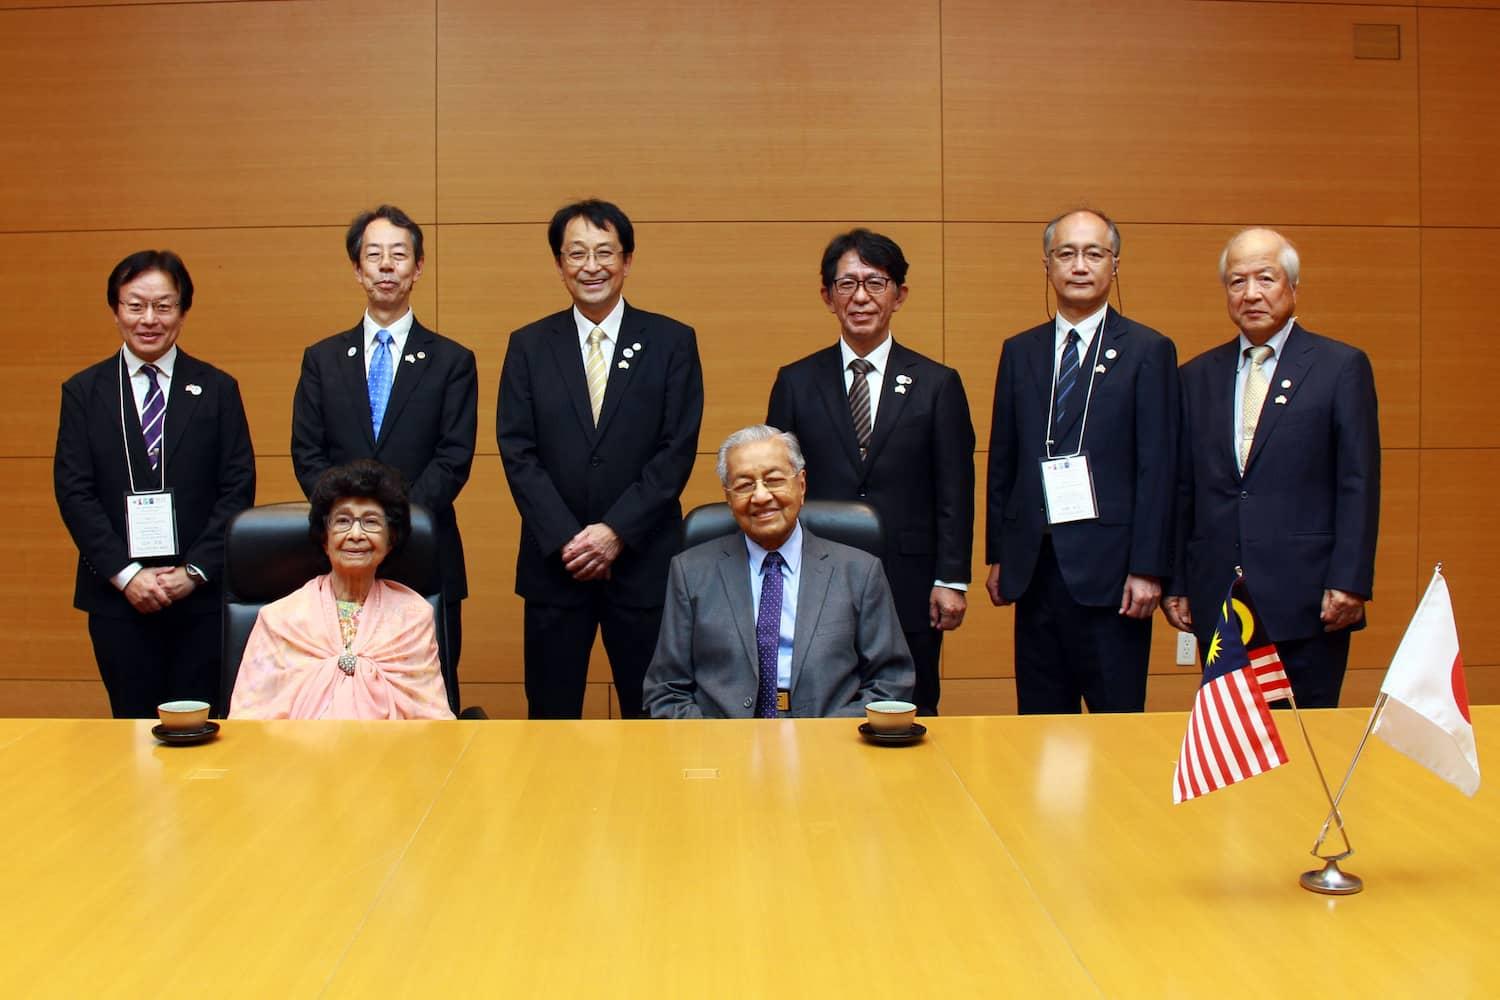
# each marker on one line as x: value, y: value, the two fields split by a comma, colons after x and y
x: 153, y: 414
x: 379, y: 382
x: 1067, y: 381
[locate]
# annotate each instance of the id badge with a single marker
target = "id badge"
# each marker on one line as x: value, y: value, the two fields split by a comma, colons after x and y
x: 1068, y: 487
x: 150, y: 524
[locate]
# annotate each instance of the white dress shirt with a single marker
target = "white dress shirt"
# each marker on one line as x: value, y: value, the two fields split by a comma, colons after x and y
x: 879, y: 357
x: 398, y: 330
x: 611, y: 327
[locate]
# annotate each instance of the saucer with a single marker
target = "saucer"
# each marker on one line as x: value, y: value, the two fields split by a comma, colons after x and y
x: 912, y: 735
x: 186, y: 738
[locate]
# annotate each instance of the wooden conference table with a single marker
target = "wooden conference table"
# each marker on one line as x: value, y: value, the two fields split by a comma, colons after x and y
x: 1000, y: 857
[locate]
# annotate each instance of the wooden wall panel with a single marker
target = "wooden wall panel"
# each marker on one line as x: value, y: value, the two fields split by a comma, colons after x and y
x: 245, y: 114
x: 778, y: 110
x: 1458, y: 503
x: 1169, y: 280
x: 1157, y: 113
x: 1460, y: 349
x: 260, y: 297
x: 1460, y: 117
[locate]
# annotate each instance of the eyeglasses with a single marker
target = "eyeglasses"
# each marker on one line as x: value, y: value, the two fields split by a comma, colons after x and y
x: 165, y: 308
x: 746, y: 488
x: 579, y: 256
x: 342, y: 524
x: 873, y: 285
x: 1093, y: 255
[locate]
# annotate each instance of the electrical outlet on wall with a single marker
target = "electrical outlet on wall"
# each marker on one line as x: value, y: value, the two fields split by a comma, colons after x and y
x: 1187, y: 649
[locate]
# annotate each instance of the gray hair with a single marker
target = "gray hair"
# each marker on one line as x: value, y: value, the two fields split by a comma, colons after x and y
x: 1051, y: 230
x: 752, y: 435
x: 1287, y: 256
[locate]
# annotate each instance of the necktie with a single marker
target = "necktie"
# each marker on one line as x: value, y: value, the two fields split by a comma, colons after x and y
x: 1256, y: 386
x: 596, y: 372
x: 1067, y: 381
x: 859, y: 403
x: 379, y: 381
x: 153, y: 415
x: 768, y: 634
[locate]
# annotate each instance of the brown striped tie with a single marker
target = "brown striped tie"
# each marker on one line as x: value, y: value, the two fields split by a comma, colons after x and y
x: 859, y: 403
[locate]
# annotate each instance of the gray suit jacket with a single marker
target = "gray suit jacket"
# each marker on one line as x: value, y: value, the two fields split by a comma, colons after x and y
x: 848, y: 648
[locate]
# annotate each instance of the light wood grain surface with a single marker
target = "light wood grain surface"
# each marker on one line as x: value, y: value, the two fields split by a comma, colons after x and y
x: 1020, y: 856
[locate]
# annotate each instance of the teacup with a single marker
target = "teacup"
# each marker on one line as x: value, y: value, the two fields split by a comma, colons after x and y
x: 890, y: 716
x: 183, y: 716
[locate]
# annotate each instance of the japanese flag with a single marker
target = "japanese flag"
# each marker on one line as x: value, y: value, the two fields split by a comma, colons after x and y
x: 1426, y: 715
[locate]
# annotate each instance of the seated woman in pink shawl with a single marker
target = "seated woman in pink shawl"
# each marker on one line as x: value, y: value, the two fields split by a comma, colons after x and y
x: 347, y: 645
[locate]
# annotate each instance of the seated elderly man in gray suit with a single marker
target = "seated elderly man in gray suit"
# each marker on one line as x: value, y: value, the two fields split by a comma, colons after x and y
x: 774, y: 621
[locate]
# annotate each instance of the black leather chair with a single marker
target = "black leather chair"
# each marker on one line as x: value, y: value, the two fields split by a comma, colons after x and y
x: 268, y: 554
x: 846, y: 521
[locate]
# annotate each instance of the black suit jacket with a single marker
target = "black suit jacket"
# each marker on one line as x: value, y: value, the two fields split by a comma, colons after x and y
x: 210, y: 467
x: 427, y: 433
x: 919, y: 473
x: 628, y: 472
x: 1131, y: 440
x: 1304, y: 515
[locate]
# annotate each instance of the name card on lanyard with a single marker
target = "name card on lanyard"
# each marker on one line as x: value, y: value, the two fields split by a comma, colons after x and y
x: 1067, y: 482
x: 150, y: 515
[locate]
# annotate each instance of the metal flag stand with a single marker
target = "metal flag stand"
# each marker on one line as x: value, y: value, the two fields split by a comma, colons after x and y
x: 1330, y: 880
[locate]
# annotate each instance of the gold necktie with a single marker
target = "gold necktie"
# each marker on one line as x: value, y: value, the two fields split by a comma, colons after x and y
x: 598, y: 375
x: 1256, y: 387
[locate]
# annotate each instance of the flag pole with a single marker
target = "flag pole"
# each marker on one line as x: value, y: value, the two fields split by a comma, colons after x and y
x: 1328, y: 880
x: 1349, y: 774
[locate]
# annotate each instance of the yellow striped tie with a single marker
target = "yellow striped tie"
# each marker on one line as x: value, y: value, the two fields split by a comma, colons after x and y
x: 597, y: 374
x: 1256, y: 387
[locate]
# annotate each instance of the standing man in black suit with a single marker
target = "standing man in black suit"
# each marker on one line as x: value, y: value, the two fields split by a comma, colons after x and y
x: 1082, y: 471
x: 1279, y: 475
x: 883, y: 424
x: 390, y: 389
x: 598, y: 421
x: 153, y: 459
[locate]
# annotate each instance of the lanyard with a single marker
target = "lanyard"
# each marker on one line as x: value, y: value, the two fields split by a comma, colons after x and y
x: 1087, y: 399
x: 125, y: 434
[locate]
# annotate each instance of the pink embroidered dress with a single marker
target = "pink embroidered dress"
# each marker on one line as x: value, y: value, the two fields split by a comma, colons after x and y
x: 297, y: 664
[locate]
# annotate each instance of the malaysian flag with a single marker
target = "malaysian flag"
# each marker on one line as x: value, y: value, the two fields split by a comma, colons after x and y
x: 1230, y: 735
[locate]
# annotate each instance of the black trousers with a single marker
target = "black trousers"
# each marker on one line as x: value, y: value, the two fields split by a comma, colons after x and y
x: 453, y: 624
x: 147, y: 659
x: 926, y: 646
x: 558, y: 640
x: 1316, y: 667
x: 1068, y: 653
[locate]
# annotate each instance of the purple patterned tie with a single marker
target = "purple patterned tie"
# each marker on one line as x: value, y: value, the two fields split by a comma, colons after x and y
x: 768, y: 634
x: 152, y: 413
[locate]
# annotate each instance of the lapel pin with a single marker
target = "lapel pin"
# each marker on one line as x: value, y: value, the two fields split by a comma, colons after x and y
x: 1111, y: 354
x: 623, y: 364
x: 193, y: 388
x: 421, y: 355
x: 1280, y: 400
x: 411, y: 359
x: 900, y: 390
x: 1100, y: 369
x: 1286, y: 383
x: 353, y: 351
x: 903, y: 380
x: 629, y: 353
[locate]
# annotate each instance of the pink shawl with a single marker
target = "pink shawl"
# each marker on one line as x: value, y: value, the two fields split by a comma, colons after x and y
x: 290, y: 669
